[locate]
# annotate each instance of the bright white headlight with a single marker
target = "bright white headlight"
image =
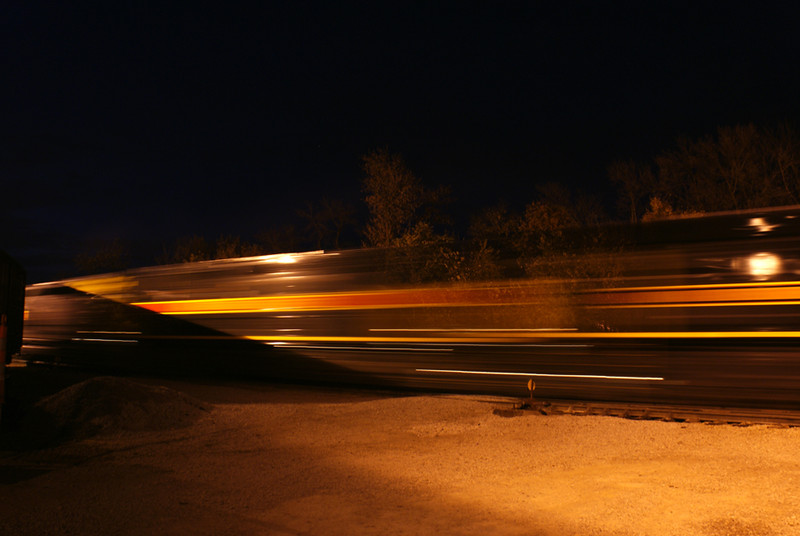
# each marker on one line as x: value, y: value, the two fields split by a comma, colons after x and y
x: 763, y: 265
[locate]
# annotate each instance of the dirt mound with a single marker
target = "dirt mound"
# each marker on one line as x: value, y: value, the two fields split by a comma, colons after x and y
x: 107, y: 405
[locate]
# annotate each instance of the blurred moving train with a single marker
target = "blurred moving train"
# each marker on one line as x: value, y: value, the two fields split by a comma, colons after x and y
x: 697, y: 310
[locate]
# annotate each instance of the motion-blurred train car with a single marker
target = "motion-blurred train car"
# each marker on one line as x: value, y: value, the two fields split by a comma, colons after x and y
x: 696, y: 309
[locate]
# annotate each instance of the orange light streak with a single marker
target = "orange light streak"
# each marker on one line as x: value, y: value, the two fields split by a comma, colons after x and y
x: 754, y: 294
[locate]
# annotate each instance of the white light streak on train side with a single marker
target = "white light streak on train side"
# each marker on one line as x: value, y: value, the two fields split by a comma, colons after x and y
x: 543, y: 375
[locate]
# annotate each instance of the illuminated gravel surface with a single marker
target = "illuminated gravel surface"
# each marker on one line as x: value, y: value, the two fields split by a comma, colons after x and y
x: 260, y: 459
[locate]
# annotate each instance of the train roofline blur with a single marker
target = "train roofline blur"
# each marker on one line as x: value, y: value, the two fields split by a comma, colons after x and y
x: 789, y: 211
x: 722, y: 213
x: 273, y: 258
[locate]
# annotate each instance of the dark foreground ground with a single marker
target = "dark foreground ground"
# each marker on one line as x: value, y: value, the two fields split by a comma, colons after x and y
x: 111, y: 455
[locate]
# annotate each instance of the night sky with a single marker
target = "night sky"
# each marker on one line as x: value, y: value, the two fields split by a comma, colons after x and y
x: 147, y: 121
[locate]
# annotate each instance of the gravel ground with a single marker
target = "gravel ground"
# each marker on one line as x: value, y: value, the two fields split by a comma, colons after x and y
x: 146, y: 456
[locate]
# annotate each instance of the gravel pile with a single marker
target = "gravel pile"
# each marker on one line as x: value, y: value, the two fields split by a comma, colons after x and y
x: 107, y: 405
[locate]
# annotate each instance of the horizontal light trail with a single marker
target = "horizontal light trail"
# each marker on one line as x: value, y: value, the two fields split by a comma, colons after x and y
x: 543, y: 375
x: 517, y: 337
x: 368, y: 299
x: 711, y: 295
x: 500, y: 344
x: 426, y: 347
x: 515, y: 340
x: 111, y: 332
x: 77, y: 339
x: 336, y: 338
x: 692, y: 304
x: 703, y: 286
x: 555, y: 345
x: 364, y: 348
x: 679, y: 335
x: 733, y: 295
x: 456, y: 330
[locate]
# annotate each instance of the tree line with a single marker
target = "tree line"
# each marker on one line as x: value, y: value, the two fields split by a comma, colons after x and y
x: 736, y: 168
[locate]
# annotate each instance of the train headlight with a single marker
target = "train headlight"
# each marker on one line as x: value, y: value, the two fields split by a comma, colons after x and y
x: 763, y: 265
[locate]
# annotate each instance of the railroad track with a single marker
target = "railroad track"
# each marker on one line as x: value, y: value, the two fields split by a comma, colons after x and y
x: 512, y: 407
x: 702, y: 414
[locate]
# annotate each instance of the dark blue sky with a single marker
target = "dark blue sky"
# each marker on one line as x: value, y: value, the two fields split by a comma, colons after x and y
x: 147, y: 122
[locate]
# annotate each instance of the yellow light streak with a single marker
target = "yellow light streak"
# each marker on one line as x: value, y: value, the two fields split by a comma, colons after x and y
x: 544, y: 375
x: 704, y: 286
x: 691, y: 304
x: 513, y: 337
x: 490, y: 330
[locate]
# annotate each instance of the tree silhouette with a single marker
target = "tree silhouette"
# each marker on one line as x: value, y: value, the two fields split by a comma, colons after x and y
x: 230, y: 247
x: 102, y: 257
x: 785, y: 154
x: 279, y: 239
x: 741, y: 167
x: 394, y: 197
x: 497, y: 227
x: 188, y: 249
x: 737, y: 168
x: 636, y: 183
x: 315, y: 222
x: 326, y: 221
x: 337, y: 216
